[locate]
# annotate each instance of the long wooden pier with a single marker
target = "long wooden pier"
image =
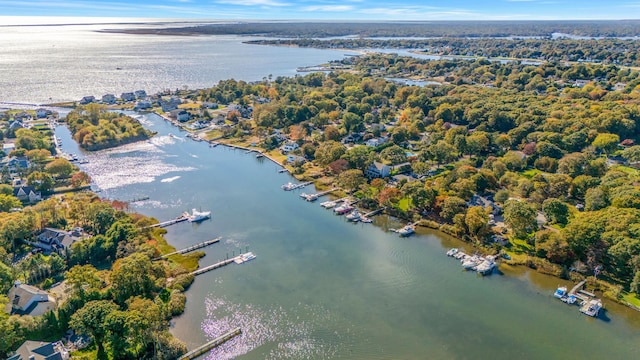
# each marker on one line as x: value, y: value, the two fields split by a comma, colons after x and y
x: 190, y: 248
x: 238, y: 259
x: 179, y: 219
x: 211, y: 344
x: 375, y: 212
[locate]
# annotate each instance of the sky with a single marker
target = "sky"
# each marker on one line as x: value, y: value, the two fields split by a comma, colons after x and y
x: 326, y: 9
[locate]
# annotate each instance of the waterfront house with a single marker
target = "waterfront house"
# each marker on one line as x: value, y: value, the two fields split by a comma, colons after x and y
x: 29, y: 300
x: 171, y: 104
x: 39, y: 350
x: 87, y: 100
x: 143, y: 105
x: 295, y: 159
x: 109, y: 99
x: 128, y: 96
x: 289, y: 146
x: 377, y: 170
x: 42, y: 113
x: 140, y: 94
x: 27, y: 194
x: 22, y: 116
x: 183, y: 116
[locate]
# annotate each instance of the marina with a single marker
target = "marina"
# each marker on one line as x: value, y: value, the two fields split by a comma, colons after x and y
x: 588, y: 303
x: 483, y: 265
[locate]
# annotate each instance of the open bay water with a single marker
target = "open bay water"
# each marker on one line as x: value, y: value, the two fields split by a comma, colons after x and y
x: 323, y: 288
x: 320, y: 288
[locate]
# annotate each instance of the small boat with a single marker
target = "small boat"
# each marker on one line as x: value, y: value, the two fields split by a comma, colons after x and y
x: 354, y: 216
x: 197, y: 216
x: 366, y: 220
x: 242, y: 258
x: 289, y: 186
x: 213, y: 144
x: 328, y: 204
x: 259, y: 155
x: 343, y: 209
x: 571, y: 299
x: 561, y: 292
x: 406, y: 231
x: 459, y: 255
x: 452, y: 252
x: 311, y: 197
x: 486, y: 266
x: 591, y: 307
x: 471, y: 262
x: 303, y: 195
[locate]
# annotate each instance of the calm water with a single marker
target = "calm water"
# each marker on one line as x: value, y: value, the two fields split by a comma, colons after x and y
x: 41, y: 64
x: 321, y: 288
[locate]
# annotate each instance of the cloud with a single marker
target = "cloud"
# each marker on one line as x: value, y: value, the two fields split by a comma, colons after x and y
x: 253, y: 2
x: 328, y: 8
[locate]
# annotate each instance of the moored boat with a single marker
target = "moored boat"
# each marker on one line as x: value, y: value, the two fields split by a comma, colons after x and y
x: 591, y: 307
x: 406, y: 230
x: 343, y: 209
x: 452, y: 252
x: 328, y: 204
x: 560, y: 292
x: 289, y: 186
x: 354, y: 216
x: 197, y: 216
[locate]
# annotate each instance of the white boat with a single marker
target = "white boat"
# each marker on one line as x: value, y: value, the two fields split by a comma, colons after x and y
x: 197, y: 216
x: 289, y: 186
x: 354, y: 216
x: 591, y: 307
x: 486, y: 266
x: 311, y: 197
x: 242, y: 258
x: 452, y: 252
x: 471, y: 262
x: 561, y: 292
x: 303, y: 195
x: 328, y: 204
x: 459, y: 255
x: 406, y: 231
x: 365, y: 219
x: 343, y: 209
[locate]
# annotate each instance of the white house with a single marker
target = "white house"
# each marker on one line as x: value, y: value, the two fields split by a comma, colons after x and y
x: 27, y: 193
x: 39, y: 350
x: 87, y: 100
x: 375, y: 142
x: 289, y: 146
x: 295, y: 159
x: 183, y: 116
x: 29, y: 300
x: 128, y: 96
x: 377, y: 170
x: 42, y: 113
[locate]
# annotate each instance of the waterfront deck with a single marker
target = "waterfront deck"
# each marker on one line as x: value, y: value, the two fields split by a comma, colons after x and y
x: 191, y: 248
x: 200, y: 350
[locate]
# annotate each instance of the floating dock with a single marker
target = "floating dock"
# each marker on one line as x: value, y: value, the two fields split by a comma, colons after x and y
x: 211, y: 344
x: 238, y: 259
x: 314, y: 197
x: 190, y: 248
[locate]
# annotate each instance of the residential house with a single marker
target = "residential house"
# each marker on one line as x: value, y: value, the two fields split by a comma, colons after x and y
x: 183, y: 116
x: 128, y: 96
x: 8, y: 147
x: 87, y: 100
x: 39, y: 350
x: 16, y: 162
x: 171, y: 104
x: 54, y: 239
x: 16, y: 124
x: 143, y: 105
x: 109, y: 99
x: 377, y: 170
x: 376, y: 141
x: 23, y: 116
x: 291, y: 159
x: 289, y: 146
x: 352, y: 138
x: 29, y: 300
x: 140, y: 94
x: 209, y: 105
x: 27, y: 194
x: 42, y: 113
x: 581, y: 83
x: 619, y: 86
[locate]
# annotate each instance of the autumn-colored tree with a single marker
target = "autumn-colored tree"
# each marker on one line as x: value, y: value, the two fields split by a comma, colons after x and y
x: 389, y: 196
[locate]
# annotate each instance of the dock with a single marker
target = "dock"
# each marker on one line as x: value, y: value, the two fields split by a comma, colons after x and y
x: 179, y: 219
x: 211, y: 344
x: 143, y: 198
x: 238, y: 259
x: 374, y: 212
x: 314, y: 197
x: 190, y: 248
x: 291, y: 186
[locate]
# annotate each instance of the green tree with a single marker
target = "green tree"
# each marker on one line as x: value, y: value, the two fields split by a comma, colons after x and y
x: 8, y: 202
x: 41, y: 181
x: 134, y: 275
x: 451, y: 206
x: 442, y: 153
x: 394, y: 155
x: 90, y: 320
x: 556, y: 211
x: 606, y: 142
x: 350, y: 180
x: 328, y: 152
x: 520, y: 216
x: 358, y: 157
x: 477, y: 222
x: 595, y: 199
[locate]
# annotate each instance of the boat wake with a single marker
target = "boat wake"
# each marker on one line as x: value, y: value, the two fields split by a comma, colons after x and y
x: 170, y: 179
